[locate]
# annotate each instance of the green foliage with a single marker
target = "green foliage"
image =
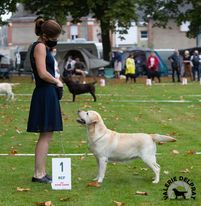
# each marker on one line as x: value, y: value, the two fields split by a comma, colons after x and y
x: 192, y: 14
x: 113, y: 13
x: 109, y: 13
x: 48, y: 8
x: 180, y: 10
x: 7, y: 6
x: 159, y: 11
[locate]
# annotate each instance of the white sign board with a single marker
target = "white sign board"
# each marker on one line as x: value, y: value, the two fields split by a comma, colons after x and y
x: 61, y: 174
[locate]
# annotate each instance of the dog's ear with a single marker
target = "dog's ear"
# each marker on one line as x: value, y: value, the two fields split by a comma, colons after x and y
x: 95, y: 118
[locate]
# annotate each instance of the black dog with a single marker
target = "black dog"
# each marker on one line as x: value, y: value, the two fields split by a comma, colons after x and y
x: 77, y: 88
x: 179, y: 193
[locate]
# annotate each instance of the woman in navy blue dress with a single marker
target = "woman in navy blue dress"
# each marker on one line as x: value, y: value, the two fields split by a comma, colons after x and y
x: 45, y: 113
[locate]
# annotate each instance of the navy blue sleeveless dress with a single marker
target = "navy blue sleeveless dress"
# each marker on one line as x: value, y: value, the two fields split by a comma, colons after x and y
x: 45, y: 112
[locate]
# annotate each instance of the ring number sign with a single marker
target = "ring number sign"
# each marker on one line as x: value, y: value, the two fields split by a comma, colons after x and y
x: 61, y: 173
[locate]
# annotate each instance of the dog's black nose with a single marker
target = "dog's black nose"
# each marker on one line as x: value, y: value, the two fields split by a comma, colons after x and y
x: 78, y: 111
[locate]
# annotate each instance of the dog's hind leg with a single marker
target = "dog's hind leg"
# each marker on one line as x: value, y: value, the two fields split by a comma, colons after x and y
x: 9, y: 95
x: 151, y: 162
x: 12, y: 96
x: 97, y: 161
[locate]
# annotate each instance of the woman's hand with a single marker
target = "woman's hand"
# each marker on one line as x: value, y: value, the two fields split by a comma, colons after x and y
x: 59, y: 83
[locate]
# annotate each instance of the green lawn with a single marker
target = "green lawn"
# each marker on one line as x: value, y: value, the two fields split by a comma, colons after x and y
x: 124, y: 108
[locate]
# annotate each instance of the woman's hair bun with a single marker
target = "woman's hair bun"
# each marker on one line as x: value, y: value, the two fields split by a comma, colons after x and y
x: 38, y: 25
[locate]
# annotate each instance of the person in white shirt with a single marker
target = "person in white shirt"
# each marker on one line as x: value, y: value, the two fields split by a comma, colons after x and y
x: 57, y: 71
x: 17, y: 62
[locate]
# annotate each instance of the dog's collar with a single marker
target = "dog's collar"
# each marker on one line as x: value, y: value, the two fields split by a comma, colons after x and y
x: 94, y: 142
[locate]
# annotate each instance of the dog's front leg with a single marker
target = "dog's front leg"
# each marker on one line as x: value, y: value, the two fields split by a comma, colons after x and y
x: 97, y: 161
x: 74, y: 97
x: 94, y: 96
x: 102, y: 168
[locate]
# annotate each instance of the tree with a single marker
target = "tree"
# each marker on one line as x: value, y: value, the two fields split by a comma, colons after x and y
x: 192, y: 14
x: 159, y: 10
x: 180, y: 10
x: 5, y: 7
x: 113, y: 14
x: 109, y: 13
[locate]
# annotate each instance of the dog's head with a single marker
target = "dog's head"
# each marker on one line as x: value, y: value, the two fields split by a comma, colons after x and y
x: 88, y: 117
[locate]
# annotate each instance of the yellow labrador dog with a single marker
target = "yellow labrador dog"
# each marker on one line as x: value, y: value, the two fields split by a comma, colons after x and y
x: 108, y: 145
x: 6, y: 88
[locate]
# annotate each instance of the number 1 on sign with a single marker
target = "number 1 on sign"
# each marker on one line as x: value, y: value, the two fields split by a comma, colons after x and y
x: 62, y: 166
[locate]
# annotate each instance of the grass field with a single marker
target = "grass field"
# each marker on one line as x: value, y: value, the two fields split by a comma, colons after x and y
x: 164, y: 108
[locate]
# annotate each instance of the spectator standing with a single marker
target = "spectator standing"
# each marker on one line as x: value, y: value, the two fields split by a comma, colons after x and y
x: 80, y: 69
x: 130, y: 68
x: 117, y: 66
x: 152, y: 68
x: 45, y: 113
x: 195, y: 59
x: 187, y: 67
x: 56, y: 67
x: 18, y: 62
x: 175, y: 60
x: 69, y: 67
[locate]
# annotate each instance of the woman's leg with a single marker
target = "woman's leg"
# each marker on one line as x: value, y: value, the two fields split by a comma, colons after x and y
x: 117, y: 74
x: 178, y: 74
x: 173, y: 73
x: 148, y: 74
x: 189, y: 72
x: 41, y: 152
x: 152, y: 76
x: 127, y: 77
x: 158, y: 76
x: 198, y: 73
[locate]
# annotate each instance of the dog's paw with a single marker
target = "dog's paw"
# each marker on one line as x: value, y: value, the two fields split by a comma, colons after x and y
x: 155, y: 181
x: 100, y: 180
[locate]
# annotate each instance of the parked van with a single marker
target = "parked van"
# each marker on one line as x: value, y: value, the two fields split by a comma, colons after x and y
x: 89, y: 52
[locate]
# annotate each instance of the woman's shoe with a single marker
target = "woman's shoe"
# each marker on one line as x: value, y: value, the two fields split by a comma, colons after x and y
x: 48, y: 177
x: 44, y: 179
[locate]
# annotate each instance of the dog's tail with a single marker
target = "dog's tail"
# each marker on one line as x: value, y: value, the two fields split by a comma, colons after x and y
x: 162, y: 138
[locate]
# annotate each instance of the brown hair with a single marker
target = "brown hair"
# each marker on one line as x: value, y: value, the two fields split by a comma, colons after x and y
x: 47, y: 29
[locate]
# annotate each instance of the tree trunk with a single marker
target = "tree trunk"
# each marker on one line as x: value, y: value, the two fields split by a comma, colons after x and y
x: 150, y: 34
x: 105, y: 34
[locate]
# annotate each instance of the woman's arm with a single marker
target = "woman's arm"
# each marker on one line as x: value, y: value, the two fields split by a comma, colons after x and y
x: 40, y: 60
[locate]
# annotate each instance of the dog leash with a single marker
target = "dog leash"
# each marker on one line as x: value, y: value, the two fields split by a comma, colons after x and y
x: 62, y: 145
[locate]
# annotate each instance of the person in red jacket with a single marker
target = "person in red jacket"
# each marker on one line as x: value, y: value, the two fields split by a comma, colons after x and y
x: 152, y: 67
